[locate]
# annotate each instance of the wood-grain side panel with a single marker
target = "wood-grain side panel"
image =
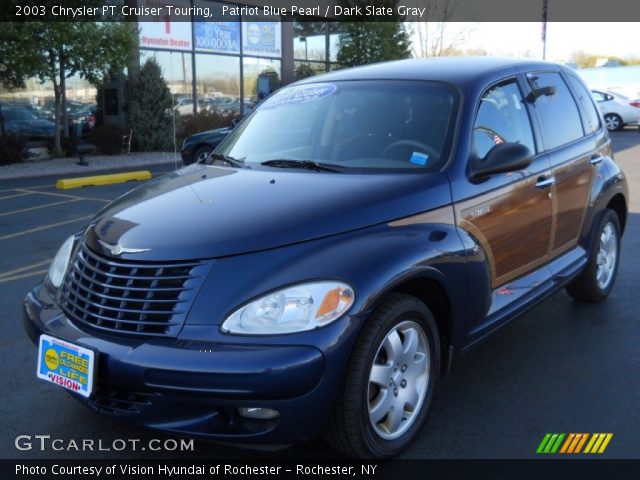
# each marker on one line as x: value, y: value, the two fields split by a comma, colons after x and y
x: 513, y: 224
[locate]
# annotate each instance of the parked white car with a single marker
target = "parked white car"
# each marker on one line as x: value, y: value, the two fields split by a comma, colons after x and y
x: 617, y: 109
x: 184, y: 106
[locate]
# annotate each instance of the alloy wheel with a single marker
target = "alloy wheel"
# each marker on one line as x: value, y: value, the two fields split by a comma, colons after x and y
x: 398, y: 380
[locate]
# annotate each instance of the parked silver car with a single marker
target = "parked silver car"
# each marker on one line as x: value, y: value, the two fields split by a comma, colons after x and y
x: 617, y: 109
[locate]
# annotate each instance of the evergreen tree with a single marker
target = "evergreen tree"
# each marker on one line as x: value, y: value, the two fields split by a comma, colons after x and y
x: 362, y: 43
x: 151, y: 109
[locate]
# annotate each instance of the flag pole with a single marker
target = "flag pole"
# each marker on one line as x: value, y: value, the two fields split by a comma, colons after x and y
x: 544, y: 29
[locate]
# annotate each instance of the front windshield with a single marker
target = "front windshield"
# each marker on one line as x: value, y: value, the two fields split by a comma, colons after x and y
x: 361, y: 125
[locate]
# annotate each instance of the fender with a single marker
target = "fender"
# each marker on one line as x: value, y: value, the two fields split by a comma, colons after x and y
x: 380, y: 258
x: 609, y: 181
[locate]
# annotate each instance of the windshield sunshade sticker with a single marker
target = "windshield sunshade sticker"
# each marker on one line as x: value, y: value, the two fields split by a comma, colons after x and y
x: 419, y: 158
x: 299, y: 94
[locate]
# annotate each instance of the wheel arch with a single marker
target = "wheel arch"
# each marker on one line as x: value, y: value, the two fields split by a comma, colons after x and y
x: 427, y: 288
x: 619, y: 205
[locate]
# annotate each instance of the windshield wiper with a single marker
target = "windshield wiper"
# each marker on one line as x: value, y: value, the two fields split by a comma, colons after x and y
x: 306, y: 164
x: 234, y: 162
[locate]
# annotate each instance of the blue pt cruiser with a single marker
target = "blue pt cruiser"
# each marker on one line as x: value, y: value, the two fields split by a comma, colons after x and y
x: 320, y: 270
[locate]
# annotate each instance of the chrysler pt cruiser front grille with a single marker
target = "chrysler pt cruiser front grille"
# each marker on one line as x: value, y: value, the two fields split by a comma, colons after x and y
x: 130, y: 297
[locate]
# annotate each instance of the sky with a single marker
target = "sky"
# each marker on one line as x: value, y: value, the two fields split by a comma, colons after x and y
x: 563, y: 38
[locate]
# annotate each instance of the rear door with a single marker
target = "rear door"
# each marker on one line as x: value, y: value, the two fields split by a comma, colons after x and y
x: 574, y: 148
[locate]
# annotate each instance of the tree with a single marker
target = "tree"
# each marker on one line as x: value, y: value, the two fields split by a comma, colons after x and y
x: 589, y: 60
x: 151, y: 109
x: 55, y: 51
x: 362, y: 43
x: 440, y: 36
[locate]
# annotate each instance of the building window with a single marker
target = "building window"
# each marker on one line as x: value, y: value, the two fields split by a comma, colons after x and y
x: 218, y: 85
x: 310, y: 41
x: 308, y: 69
x: 176, y: 70
x: 261, y: 77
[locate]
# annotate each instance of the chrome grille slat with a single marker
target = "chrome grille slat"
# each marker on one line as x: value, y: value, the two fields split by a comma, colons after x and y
x: 119, y: 320
x: 102, y: 284
x: 130, y: 298
x: 117, y: 299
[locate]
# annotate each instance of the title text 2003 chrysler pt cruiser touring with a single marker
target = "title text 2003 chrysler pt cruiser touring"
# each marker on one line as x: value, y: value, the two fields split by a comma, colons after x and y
x: 347, y: 240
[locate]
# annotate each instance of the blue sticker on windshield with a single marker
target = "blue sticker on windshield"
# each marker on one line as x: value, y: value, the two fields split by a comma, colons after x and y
x: 299, y: 94
x: 419, y: 158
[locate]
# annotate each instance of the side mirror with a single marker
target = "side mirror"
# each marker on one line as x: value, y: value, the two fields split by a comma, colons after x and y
x: 504, y: 157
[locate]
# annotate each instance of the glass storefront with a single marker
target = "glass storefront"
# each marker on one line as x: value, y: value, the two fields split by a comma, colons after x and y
x: 236, y: 61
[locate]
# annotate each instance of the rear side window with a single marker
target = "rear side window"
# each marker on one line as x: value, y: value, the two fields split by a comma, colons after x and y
x: 558, y: 113
x: 502, y: 117
x: 592, y: 119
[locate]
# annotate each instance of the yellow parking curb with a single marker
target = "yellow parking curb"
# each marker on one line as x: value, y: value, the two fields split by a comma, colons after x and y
x: 67, y: 183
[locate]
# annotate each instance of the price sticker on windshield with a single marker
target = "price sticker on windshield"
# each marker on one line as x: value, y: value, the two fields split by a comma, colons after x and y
x: 299, y: 94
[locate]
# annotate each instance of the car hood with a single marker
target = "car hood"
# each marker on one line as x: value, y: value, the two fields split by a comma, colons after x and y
x: 205, y: 212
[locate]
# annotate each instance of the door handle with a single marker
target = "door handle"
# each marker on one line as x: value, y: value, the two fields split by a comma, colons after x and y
x: 544, y: 182
x: 596, y: 159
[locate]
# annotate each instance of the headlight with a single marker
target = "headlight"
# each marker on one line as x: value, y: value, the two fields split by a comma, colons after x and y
x: 60, y: 262
x: 292, y: 309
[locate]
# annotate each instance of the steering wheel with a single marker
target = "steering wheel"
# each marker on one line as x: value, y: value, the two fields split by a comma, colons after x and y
x: 423, y: 147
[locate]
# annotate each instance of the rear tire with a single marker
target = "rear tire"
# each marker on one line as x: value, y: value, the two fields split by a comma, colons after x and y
x: 613, y: 122
x: 388, y: 387
x: 596, y: 281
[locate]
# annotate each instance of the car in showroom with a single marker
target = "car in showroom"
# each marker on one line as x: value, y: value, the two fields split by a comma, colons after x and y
x: 617, y: 110
x: 322, y: 269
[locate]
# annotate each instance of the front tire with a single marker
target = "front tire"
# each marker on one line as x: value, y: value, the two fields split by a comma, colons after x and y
x: 388, y: 387
x: 596, y: 281
x: 201, y: 154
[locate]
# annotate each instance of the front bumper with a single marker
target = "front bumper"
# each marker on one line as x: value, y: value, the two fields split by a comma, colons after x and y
x: 194, y: 388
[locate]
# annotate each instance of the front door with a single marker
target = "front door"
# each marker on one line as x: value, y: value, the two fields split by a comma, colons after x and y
x: 512, y: 217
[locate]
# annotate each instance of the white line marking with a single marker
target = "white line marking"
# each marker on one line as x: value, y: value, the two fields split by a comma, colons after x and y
x: 16, y: 195
x: 22, y: 210
x: 26, y: 267
x: 24, y: 275
x: 45, y: 227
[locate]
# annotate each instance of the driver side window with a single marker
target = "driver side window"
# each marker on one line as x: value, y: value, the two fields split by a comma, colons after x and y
x: 502, y: 118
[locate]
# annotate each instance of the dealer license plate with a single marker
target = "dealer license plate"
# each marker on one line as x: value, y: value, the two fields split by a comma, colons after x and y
x: 66, y: 364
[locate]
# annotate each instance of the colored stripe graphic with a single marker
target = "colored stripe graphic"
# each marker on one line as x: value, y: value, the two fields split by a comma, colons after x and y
x: 581, y: 443
x: 550, y: 443
x: 598, y: 443
x: 553, y: 443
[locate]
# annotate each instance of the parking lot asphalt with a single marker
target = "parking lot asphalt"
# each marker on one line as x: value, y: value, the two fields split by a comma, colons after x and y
x: 562, y: 367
